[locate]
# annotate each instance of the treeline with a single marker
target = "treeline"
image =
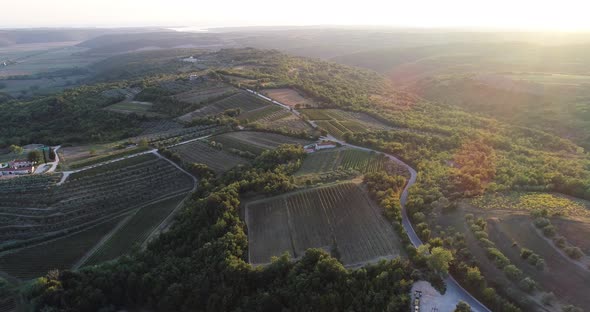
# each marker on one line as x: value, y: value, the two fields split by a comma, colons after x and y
x: 200, y: 263
x: 75, y: 115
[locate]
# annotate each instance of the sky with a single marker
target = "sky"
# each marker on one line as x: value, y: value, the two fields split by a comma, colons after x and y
x: 562, y: 15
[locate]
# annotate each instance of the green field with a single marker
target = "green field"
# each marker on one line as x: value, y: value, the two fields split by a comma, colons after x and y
x: 59, y: 254
x: 337, y: 122
x: 342, y: 158
x: 135, y: 230
x: 201, y: 152
x: 131, y: 107
x: 338, y: 218
x: 242, y: 100
x: 255, y: 142
x: 36, y: 209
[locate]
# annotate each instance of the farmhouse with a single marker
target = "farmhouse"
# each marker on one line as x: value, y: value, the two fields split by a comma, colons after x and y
x: 190, y: 59
x: 325, y: 145
x: 20, y: 163
x: 16, y: 171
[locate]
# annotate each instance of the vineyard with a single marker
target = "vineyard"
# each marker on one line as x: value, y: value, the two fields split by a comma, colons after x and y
x: 255, y: 142
x: 59, y: 254
x: 275, y: 117
x: 337, y: 218
x: 342, y: 158
x: 205, y: 91
x: 200, y: 152
x: 337, y: 122
x: 134, y: 231
x: 177, y: 135
x: 36, y: 208
x: 242, y: 100
x: 153, y: 127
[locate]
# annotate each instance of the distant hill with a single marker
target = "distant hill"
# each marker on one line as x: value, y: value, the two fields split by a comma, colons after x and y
x: 121, y: 43
x: 46, y: 35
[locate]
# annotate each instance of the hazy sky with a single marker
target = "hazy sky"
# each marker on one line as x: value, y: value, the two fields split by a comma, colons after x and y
x: 521, y: 14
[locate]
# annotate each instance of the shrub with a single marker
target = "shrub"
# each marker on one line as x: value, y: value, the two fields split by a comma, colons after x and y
x: 481, y: 234
x: 571, y: 308
x: 540, y: 265
x: 549, y: 230
x: 574, y: 252
x: 527, y: 284
x: 512, y: 272
x: 541, y: 222
x: 419, y: 217
x: 498, y: 257
x: 486, y: 243
x: 525, y: 253
x: 559, y: 241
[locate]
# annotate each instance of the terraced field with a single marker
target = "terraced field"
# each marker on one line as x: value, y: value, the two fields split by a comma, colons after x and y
x: 134, y: 231
x: 338, y: 218
x: 35, y: 208
x: 201, y: 152
x: 255, y: 142
x: 337, y: 122
x: 242, y: 100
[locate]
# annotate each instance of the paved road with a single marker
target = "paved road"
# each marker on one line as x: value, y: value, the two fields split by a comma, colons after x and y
x: 454, y: 290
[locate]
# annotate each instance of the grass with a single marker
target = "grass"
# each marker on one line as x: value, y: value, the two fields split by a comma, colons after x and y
x: 135, y: 231
x: 59, y: 254
x: 338, y: 218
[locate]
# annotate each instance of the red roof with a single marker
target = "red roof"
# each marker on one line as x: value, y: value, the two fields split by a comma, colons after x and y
x: 17, y: 169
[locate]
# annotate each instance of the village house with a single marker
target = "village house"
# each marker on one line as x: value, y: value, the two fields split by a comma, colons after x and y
x: 16, y: 171
x: 17, y: 167
x: 320, y: 146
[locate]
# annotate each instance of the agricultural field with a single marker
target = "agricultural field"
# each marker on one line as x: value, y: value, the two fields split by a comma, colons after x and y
x: 255, y: 142
x: 342, y: 158
x: 204, y: 91
x: 338, y: 218
x: 555, y: 204
x: 36, y: 208
x: 137, y: 107
x: 153, y: 127
x: 337, y: 122
x: 83, y: 156
x: 242, y: 100
x: 201, y: 152
x: 62, y: 253
x: 276, y: 117
x: 176, y: 135
x: 507, y: 230
x: 135, y: 230
x: 289, y: 97
x: 510, y: 227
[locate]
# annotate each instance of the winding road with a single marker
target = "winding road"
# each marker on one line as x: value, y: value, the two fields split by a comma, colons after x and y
x: 453, y: 289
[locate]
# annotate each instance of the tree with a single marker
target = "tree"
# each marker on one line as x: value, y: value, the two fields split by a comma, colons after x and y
x: 462, y: 306
x: 143, y: 142
x: 35, y: 156
x: 16, y: 149
x: 440, y: 259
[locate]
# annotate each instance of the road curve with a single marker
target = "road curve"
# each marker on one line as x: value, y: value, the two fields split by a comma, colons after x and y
x: 453, y: 287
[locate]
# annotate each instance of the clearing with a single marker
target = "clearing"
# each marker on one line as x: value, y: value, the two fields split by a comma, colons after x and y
x: 338, y: 218
x: 289, y: 97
